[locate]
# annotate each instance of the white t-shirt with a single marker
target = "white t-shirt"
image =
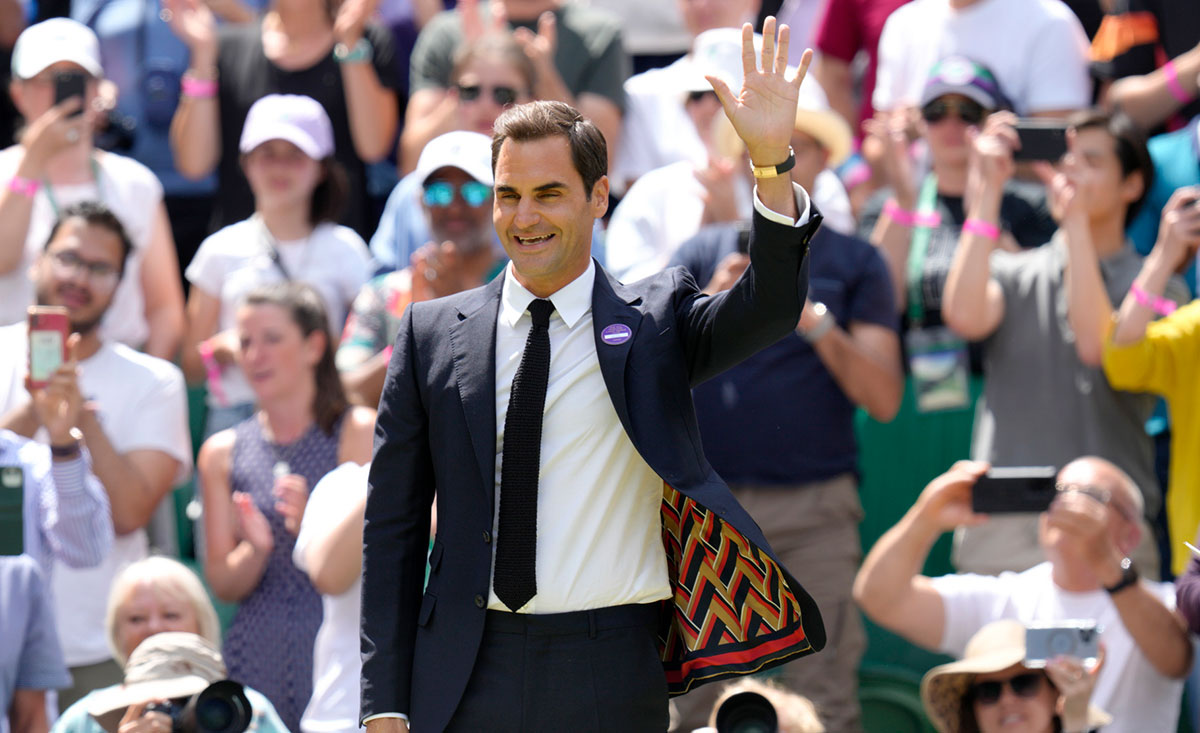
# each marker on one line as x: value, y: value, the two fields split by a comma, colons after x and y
x: 1138, y: 697
x: 334, y: 705
x: 656, y: 129
x: 134, y: 194
x: 1037, y: 50
x: 142, y: 405
x: 236, y: 259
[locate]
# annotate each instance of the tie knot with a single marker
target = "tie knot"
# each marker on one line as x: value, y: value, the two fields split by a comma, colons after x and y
x: 540, y: 310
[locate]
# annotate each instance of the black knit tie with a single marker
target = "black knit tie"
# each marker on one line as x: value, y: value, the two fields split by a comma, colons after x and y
x: 516, y: 544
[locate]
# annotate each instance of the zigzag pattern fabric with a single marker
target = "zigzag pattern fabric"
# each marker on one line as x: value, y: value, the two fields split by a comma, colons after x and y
x: 716, y: 571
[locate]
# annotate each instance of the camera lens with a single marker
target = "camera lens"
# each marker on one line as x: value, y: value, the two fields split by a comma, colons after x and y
x: 747, y: 712
x: 214, y: 714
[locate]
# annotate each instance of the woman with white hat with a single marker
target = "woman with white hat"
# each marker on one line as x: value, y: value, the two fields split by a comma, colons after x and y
x: 991, y: 689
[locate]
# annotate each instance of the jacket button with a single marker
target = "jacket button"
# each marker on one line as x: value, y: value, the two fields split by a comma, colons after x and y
x: 487, y: 537
x: 479, y: 602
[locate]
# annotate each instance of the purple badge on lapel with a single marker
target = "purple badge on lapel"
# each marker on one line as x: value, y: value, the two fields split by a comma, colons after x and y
x: 617, y: 333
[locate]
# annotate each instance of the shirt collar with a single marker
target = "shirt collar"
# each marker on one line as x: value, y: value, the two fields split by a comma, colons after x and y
x: 571, y: 302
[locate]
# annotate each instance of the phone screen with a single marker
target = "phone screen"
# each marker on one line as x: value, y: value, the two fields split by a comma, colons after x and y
x: 12, y: 510
x: 70, y: 84
x: 1041, y: 140
x: 48, y: 329
x: 1014, y: 490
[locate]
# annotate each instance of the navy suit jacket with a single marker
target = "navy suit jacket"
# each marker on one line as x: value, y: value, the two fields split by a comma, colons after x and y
x: 436, y: 432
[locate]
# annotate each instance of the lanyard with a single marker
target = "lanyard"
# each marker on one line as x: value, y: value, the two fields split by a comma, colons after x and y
x: 54, y: 202
x: 927, y: 218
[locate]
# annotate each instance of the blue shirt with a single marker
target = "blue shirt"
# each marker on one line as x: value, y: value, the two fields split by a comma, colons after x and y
x: 779, y: 417
x: 30, y: 656
x: 1176, y: 157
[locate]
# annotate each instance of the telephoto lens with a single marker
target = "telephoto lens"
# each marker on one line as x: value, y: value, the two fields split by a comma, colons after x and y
x: 747, y: 712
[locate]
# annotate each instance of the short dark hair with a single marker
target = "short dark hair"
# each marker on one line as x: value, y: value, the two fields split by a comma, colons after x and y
x: 329, y: 197
x: 1131, y: 148
x: 306, y: 309
x: 542, y: 119
x: 502, y: 47
x: 94, y: 213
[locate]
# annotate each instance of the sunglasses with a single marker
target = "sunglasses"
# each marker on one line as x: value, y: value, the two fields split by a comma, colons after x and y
x: 966, y: 110
x: 1025, y: 685
x: 440, y: 194
x: 502, y: 96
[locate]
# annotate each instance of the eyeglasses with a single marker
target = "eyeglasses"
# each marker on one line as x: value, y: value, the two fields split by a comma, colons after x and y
x: 968, y: 111
x: 694, y: 97
x: 440, y: 194
x: 1098, y: 493
x: 101, y: 275
x: 1025, y: 685
x: 502, y: 96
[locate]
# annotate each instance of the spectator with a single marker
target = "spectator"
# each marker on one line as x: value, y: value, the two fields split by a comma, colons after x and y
x: 338, y: 58
x: 658, y: 129
x: 576, y: 52
x: 795, y: 471
x: 847, y: 27
x: 299, y: 188
x: 136, y: 435
x: 165, y: 665
x: 1084, y: 536
x: 255, y: 479
x: 1187, y: 594
x: 1127, y: 52
x: 1036, y: 49
x: 652, y: 33
x: 1162, y: 356
x: 55, y: 165
x: 493, y: 68
x: 456, y: 178
x: 972, y: 694
x: 1176, y: 157
x: 31, y: 660
x: 916, y: 223
x: 1045, y: 397
x: 794, y: 713
x: 488, y: 76
x: 669, y: 205
x: 329, y: 549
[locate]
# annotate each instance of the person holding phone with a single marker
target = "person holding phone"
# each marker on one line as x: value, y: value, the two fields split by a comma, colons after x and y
x: 56, y: 74
x: 1084, y: 540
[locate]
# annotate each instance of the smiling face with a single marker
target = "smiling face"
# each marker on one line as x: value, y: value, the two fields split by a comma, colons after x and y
x: 1030, y: 712
x: 80, y: 270
x: 543, y: 213
x: 150, y: 609
x: 275, y: 355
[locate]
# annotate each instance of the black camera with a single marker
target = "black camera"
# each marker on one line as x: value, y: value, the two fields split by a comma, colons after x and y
x: 747, y: 712
x: 222, y: 707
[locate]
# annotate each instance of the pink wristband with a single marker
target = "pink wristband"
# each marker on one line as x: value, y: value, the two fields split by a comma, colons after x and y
x: 901, y: 216
x: 388, y: 351
x: 198, y: 88
x: 212, y: 372
x: 982, y: 228
x: 1157, y: 303
x: 24, y: 186
x: 1173, y: 84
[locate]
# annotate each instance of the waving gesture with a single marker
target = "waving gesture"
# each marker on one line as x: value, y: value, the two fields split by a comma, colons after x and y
x: 764, y: 113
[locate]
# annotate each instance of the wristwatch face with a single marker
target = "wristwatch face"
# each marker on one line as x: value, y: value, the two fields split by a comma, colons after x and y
x: 820, y: 309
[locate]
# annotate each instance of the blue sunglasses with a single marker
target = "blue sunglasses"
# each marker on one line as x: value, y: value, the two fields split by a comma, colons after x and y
x: 441, y: 194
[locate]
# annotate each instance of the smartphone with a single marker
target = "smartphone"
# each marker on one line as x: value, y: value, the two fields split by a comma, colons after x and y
x: 70, y: 84
x: 1041, y: 140
x: 49, y: 327
x: 1078, y: 639
x: 12, y: 510
x: 1014, y: 489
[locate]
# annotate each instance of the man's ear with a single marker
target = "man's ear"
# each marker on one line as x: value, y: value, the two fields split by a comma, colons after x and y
x: 600, y: 197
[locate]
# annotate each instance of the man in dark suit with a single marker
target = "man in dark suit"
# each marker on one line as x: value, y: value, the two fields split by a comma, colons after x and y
x: 588, y: 562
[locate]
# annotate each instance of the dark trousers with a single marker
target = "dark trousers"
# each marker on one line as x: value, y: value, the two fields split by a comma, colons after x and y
x: 582, y: 671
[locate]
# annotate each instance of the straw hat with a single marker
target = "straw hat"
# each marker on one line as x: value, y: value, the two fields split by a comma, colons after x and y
x: 995, y: 647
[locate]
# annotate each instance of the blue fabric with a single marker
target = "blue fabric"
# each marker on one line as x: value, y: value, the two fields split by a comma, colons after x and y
x: 779, y: 417
x: 1176, y: 157
x: 30, y: 656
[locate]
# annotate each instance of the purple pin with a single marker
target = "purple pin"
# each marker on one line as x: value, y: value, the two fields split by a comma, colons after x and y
x: 617, y: 333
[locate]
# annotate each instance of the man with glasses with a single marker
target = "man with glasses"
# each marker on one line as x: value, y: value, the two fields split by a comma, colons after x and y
x: 1085, y: 538
x: 134, y: 426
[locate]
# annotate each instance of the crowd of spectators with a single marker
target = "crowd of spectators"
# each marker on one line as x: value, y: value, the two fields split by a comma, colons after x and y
x: 234, y: 202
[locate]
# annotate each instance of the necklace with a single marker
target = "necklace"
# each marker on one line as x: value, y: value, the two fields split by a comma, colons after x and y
x: 285, y: 454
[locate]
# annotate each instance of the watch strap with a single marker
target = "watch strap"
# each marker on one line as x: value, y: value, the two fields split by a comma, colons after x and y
x: 770, y: 171
x: 1129, y: 576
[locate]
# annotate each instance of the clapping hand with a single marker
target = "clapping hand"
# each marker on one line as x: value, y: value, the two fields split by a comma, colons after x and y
x: 194, y: 23
x: 292, y: 491
x: 250, y: 524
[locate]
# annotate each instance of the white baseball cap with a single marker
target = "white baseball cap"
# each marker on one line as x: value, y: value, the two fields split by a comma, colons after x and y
x: 298, y: 119
x: 468, y: 151
x: 52, y: 41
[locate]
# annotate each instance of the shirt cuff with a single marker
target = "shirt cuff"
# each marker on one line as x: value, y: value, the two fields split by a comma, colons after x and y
x: 377, y: 716
x: 775, y: 216
x: 70, y: 477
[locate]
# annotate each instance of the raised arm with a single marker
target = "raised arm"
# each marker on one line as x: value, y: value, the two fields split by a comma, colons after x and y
x: 163, y: 293
x: 891, y: 236
x: 372, y: 108
x: 196, y: 127
x: 1151, y: 98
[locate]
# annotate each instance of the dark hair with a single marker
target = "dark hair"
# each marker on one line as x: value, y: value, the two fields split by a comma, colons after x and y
x: 542, y: 119
x: 1130, y: 149
x: 329, y: 197
x: 501, y: 46
x: 307, y: 311
x: 94, y: 214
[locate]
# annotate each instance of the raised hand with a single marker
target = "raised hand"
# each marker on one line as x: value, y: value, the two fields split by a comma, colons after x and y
x: 50, y: 134
x: 764, y: 111
x: 1179, y: 228
x: 60, y: 402
x: 351, y: 18
x: 540, y: 47
x: 473, y: 26
x: 250, y: 524
x: 946, y: 502
x: 891, y: 130
x: 193, y: 23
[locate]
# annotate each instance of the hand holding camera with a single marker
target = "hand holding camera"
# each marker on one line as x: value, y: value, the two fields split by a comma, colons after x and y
x: 138, y: 720
x: 945, y: 504
x: 1179, y: 229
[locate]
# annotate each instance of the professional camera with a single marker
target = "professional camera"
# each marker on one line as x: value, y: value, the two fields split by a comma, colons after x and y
x: 747, y: 712
x: 222, y: 707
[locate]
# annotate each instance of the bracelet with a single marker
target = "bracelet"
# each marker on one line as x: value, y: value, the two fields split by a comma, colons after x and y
x: 356, y: 54
x: 212, y: 371
x: 198, y: 88
x: 1157, y: 303
x: 25, y: 186
x: 770, y: 171
x: 983, y: 228
x: 70, y: 450
x: 1177, y: 91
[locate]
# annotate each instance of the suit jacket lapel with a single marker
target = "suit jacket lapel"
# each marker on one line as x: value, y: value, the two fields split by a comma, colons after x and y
x: 473, y: 339
x: 612, y: 304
